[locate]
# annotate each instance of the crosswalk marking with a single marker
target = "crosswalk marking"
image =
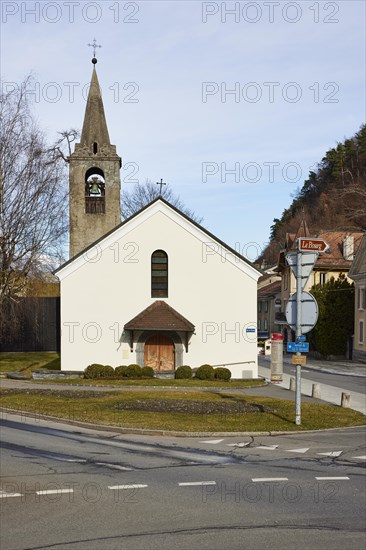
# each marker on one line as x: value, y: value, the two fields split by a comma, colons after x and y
x: 188, y: 483
x: 303, y: 450
x: 54, y: 491
x: 262, y: 479
x: 133, y: 486
x: 213, y: 441
x: 333, y: 478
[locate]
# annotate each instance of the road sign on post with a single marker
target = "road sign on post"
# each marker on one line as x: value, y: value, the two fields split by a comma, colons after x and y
x: 308, y: 315
x: 307, y: 244
x: 294, y: 347
x: 308, y: 260
x: 302, y: 263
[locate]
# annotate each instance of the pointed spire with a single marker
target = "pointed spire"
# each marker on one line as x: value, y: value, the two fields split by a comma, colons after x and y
x: 303, y: 230
x: 95, y: 126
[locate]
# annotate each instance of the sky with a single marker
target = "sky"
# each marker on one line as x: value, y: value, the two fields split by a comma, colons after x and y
x: 231, y: 103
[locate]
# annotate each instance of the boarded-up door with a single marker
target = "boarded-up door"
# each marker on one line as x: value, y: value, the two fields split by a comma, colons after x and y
x: 159, y: 353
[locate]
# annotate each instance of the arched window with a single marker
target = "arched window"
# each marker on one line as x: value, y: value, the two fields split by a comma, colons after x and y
x: 159, y: 274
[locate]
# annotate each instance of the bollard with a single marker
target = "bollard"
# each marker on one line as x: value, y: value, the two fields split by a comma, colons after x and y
x: 315, y: 391
x: 292, y: 384
x: 346, y: 400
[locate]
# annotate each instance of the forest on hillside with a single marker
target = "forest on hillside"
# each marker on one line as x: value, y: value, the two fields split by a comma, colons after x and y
x: 333, y: 197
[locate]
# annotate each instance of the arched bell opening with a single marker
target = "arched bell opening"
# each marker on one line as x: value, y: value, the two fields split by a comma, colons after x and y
x: 94, y: 191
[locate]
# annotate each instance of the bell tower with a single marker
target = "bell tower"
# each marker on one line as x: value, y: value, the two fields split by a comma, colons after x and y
x: 94, y: 179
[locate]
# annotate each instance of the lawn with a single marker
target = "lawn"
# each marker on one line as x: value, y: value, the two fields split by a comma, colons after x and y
x: 26, y: 362
x: 142, y: 409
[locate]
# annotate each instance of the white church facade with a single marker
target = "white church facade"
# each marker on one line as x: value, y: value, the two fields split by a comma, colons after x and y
x: 157, y: 289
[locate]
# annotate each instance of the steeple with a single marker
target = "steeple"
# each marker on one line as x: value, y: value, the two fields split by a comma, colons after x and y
x: 95, y: 128
x: 94, y: 177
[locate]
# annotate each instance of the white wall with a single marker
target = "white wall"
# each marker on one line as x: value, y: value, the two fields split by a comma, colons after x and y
x: 217, y: 293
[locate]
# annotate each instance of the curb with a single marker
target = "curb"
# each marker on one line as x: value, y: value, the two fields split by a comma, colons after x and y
x: 146, y: 431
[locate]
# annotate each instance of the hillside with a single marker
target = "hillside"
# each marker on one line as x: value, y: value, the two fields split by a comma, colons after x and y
x: 333, y: 197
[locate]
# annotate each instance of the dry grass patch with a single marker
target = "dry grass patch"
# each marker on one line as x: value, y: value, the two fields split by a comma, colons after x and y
x: 107, y: 408
x: 26, y: 362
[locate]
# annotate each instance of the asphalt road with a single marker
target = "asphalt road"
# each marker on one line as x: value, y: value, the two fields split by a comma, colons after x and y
x: 72, y: 488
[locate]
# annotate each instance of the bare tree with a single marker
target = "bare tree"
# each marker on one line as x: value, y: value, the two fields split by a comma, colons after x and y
x: 67, y: 137
x: 142, y: 194
x: 33, y: 196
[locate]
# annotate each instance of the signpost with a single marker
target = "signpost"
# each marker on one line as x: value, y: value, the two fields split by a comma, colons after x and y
x: 302, y: 309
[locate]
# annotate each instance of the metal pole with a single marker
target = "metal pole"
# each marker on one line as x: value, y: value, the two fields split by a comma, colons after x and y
x: 298, y: 333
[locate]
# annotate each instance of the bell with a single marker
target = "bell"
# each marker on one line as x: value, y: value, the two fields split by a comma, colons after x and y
x: 94, y: 188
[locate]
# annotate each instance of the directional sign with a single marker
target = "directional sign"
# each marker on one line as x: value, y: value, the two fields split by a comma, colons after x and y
x: 294, y: 347
x: 307, y: 244
x: 309, y: 312
x: 307, y: 260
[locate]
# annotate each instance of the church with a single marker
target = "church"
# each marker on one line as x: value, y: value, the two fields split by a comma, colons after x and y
x: 157, y: 289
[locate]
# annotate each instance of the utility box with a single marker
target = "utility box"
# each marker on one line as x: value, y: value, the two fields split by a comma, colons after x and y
x: 276, y: 357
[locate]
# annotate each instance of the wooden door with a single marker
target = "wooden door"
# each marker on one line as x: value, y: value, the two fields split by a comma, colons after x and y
x: 159, y: 353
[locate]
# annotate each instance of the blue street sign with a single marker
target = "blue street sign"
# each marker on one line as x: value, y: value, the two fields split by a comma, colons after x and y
x: 294, y: 347
x: 301, y: 338
x: 250, y: 329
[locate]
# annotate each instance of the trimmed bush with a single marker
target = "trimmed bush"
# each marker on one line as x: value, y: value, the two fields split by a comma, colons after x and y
x: 134, y: 371
x: 183, y: 372
x: 121, y: 371
x: 98, y: 371
x: 148, y: 372
x: 205, y: 372
x: 222, y: 373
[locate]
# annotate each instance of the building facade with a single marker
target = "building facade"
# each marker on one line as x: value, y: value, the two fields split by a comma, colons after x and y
x: 358, y: 274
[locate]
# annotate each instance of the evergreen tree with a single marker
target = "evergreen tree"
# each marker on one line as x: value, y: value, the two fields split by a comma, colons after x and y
x: 336, y: 316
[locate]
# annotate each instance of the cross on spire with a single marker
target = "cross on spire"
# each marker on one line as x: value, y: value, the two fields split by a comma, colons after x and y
x: 94, y: 45
x: 161, y: 183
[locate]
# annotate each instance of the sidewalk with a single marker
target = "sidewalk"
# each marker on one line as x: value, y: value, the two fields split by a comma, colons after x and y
x: 329, y: 393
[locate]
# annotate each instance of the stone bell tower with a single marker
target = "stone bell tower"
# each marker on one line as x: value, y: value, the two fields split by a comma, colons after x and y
x: 95, y: 185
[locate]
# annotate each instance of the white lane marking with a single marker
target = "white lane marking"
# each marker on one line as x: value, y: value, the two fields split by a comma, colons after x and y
x: 334, y: 478
x: 332, y: 453
x: 303, y: 450
x: 114, y: 466
x: 8, y: 495
x: 213, y: 441
x: 187, y: 483
x: 360, y: 457
x: 260, y: 479
x: 267, y: 447
x: 54, y: 491
x: 242, y: 444
x: 133, y: 486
